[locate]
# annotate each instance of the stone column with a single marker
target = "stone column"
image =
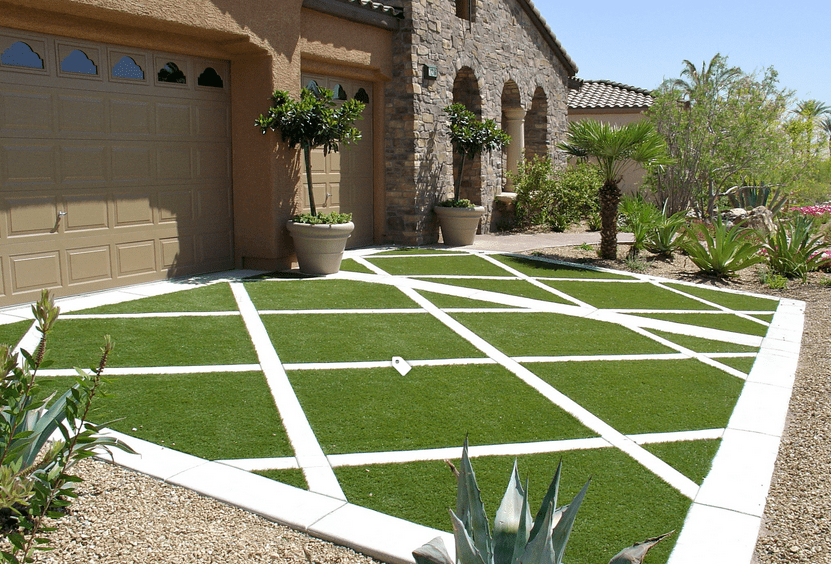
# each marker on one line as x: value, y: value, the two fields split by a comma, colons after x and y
x: 516, y: 129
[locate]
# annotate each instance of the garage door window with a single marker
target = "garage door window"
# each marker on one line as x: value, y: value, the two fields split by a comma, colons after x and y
x: 21, y: 55
x: 126, y: 67
x: 170, y: 72
x: 209, y: 77
x: 78, y: 62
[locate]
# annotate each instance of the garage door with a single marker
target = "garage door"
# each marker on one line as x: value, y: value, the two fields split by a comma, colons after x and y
x: 342, y: 181
x: 115, y: 165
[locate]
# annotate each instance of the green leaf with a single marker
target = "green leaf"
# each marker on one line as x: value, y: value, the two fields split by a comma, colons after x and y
x: 562, y: 530
x: 470, y: 509
x: 434, y: 552
x: 509, y: 526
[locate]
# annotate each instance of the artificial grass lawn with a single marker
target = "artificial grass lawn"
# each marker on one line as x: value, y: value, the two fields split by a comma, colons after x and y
x: 292, y: 477
x: 647, y: 396
x: 624, y: 504
x: 548, y: 334
x: 739, y: 302
x: 213, y: 416
x: 430, y: 407
x: 459, y: 265
x: 364, y: 337
x: 513, y: 287
x: 628, y: 295
x: 325, y: 294
x: 443, y: 301
x: 163, y: 341
x: 418, y: 251
x: 702, y: 345
x: 692, y: 458
x: 351, y: 265
x: 214, y: 297
x: 725, y: 322
x: 11, y: 333
x: 545, y: 269
x: 742, y: 363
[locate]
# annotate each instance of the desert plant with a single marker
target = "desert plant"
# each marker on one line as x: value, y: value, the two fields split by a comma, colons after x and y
x: 726, y: 252
x: 471, y: 136
x: 517, y: 539
x: 665, y: 236
x: 313, y: 121
x: 34, y: 479
x: 795, y: 248
x: 750, y: 194
x: 772, y: 280
x: 639, y: 217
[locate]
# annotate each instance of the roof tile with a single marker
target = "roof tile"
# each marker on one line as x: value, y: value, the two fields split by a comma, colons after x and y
x: 592, y: 94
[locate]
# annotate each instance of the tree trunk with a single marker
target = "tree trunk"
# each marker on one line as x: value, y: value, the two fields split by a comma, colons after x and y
x: 609, y: 196
x: 308, y: 158
x: 457, y: 190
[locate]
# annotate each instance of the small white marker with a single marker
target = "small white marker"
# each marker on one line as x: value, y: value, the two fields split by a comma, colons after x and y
x: 401, y: 365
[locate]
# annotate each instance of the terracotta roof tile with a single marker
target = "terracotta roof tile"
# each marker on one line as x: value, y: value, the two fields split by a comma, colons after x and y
x: 585, y: 94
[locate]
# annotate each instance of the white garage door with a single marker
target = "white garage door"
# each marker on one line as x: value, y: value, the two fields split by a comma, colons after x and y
x: 115, y: 165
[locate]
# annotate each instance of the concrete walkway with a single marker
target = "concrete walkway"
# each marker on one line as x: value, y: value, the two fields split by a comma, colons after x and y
x: 726, y: 509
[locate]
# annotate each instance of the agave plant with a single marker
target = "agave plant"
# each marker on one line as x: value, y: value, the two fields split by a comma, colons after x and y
x: 517, y: 539
x: 726, y: 252
x: 751, y: 194
x: 663, y: 238
x: 795, y: 248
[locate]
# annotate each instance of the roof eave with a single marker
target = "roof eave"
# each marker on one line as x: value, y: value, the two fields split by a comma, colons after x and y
x: 353, y: 11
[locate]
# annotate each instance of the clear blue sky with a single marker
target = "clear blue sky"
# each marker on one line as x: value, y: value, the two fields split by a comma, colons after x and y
x: 642, y: 42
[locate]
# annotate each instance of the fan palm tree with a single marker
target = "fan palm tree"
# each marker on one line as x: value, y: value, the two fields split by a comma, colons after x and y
x: 615, y: 148
x: 825, y: 125
x: 710, y: 79
x: 810, y: 111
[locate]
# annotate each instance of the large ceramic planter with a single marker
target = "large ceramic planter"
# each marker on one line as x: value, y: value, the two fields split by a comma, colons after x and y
x: 319, y: 248
x: 458, y: 225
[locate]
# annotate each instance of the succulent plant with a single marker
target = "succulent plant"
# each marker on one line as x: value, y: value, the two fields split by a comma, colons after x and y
x: 517, y: 539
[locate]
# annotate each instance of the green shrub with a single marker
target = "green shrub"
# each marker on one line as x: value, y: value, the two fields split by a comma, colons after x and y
x: 34, y: 480
x: 558, y: 198
x: 665, y: 236
x: 638, y: 217
x: 795, y: 248
x: 772, y: 280
x: 726, y: 251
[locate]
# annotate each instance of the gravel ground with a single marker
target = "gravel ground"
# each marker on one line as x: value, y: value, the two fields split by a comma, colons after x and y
x: 124, y: 517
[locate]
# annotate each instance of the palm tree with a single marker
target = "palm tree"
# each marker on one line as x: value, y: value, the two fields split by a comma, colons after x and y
x: 709, y: 80
x: 810, y: 111
x: 825, y: 125
x: 615, y: 148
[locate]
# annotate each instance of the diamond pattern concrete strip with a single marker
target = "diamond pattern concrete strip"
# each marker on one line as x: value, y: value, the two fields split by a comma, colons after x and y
x: 142, y: 370
x: 319, y: 475
x: 728, y: 509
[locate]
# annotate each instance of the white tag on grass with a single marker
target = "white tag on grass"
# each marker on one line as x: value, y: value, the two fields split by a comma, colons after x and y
x: 401, y: 365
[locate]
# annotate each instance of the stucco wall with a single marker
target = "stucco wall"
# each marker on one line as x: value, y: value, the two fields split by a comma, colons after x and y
x: 268, y: 44
x: 500, y: 45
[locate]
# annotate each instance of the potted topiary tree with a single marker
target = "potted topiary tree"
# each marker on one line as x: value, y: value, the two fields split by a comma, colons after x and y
x: 311, y: 122
x: 470, y: 136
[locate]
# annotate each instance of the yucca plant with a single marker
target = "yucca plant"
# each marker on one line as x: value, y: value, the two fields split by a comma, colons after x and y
x: 727, y: 250
x: 517, y: 539
x: 795, y: 248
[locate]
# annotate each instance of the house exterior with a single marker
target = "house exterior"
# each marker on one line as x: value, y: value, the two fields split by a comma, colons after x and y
x: 128, y: 151
x: 613, y: 103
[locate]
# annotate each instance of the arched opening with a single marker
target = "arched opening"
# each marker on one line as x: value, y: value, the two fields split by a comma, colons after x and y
x: 536, y: 126
x: 466, y: 92
x: 513, y: 115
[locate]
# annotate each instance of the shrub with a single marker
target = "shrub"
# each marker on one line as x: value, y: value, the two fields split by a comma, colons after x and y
x: 664, y: 237
x: 726, y: 251
x: 639, y: 217
x: 557, y: 198
x: 795, y: 248
x: 34, y: 479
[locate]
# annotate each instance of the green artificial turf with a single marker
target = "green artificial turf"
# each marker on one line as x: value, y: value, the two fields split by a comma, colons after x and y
x: 725, y: 322
x: 214, y: 297
x: 351, y: 265
x: 692, y: 458
x: 625, y: 503
x: 741, y: 363
x: 163, y: 341
x: 444, y: 301
x: 627, y: 295
x: 519, y: 288
x: 459, y: 265
x: 701, y: 345
x: 430, y: 407
x: 11, y: 333
x: 325, y: 294
x: 292, y: 477
x: 548, y: 334
x: 546, y: 269
x: 418, y: 251
x: 764, y: 316
x: 740, y: 302
x: 213, y: 416
x: 363, y: 337
x: 647, y: 396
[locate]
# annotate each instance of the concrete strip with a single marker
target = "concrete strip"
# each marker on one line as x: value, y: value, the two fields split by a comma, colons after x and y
x: 140, y: 371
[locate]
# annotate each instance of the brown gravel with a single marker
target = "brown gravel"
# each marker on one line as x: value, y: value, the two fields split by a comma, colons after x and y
x: 124, y: 517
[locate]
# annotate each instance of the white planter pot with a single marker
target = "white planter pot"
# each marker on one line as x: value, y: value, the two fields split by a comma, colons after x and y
x: 319, y: 248
x: 458, y: 225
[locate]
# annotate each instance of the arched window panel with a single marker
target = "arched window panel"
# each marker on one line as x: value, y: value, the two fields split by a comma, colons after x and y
x: 210, y: 77
x: 339, y: 93
x: 20, y: 54
x: 313, y: 87
x: 362, y: 96
x: 171, y: 73
x: 78, y: 62
x: 128, y: 68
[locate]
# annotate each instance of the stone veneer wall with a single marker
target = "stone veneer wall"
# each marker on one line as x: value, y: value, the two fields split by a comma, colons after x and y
x: 500, y: 45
